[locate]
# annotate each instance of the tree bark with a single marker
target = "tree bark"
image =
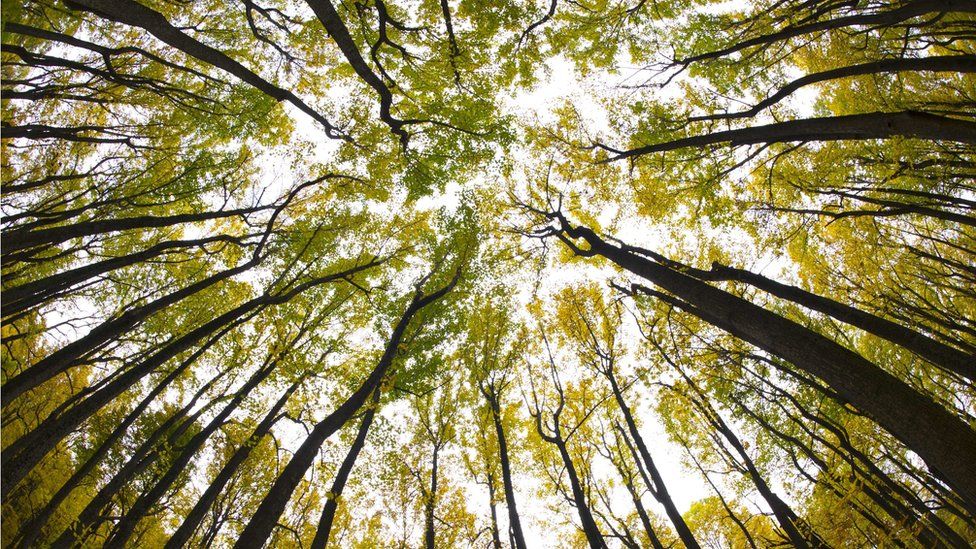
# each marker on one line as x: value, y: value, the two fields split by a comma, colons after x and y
x: 875, y: 125
x: 193, y: 519
x: 904, y: 12
x: 942, y: 440
x: 144, y: 456
x: 942, y: 63
x: 515, y: 524
x: 64, y: 358
x: 590, y: 528
x: 134, y: 14
x: 329, y: 17
x: 17, y: 240
x: 659, y: 489
x: 338, y: 484
x: 127, y: 525
x: 258, y: 529
x: 431, y: 504
x: 938, y: 353
x: 24, y: 453
x: 32, y: 294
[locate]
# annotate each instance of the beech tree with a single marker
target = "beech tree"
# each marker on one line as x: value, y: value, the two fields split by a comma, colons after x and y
x: 466, y: 273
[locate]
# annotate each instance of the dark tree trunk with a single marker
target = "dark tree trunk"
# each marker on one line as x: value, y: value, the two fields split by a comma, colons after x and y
x: 496, y: 540
x: 67, y: 356
x: 951, y: 359
x: 26, y: 296
x: 943, y: 63
x: 135, y: 14
x: 127, y: 525
x: 876, y: 125
x: 938, y: 437
x: 641, y: 512
x: 515, y: 524
x: 29, y: 532
x: 259, y: 528
x: 430, y: 506
x: 144, y: 456
x: 339, y: 483
x: 904, y: 12
x: 17, y: 240
x: 24, y: 453
x: 659, y: 489
x: 593, y: 535
x: 199, y: 511
x: 329, y: 17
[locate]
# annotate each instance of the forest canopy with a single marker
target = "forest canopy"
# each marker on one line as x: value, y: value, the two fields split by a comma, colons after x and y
x: 482, y: 273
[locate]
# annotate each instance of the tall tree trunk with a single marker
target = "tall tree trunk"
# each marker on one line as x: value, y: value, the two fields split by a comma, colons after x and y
x: 193, y: 519
x: 593, y: 535
x: 515, y: 524
x: 641, y: 511
x: 61, y: 360
x: 659, y: 489
x: 904, y: 12
x: 22, y: 239
x: 127, y: 525
x: 875, y: 125
x: 938, y: 437
x: 430, y: 506
x: 135, y: 14
x: 942, y: 355
x: 942, y: 63
x: 496, y: 540
x: 26, y: 296
x: 24, y: 453
x: 29, y: 532
x: 144, y: 456
x: 338, y: 484
x: 329, y: 17
x: 259, y: 528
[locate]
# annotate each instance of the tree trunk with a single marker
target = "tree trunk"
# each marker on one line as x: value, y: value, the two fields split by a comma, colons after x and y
x: 127, y: 525
x: 904, y: 12
x: 199, y: 511
x: 29, y: 295
x: 496, y: 540
x: 876, y: 125
x: 593, y: 535
x: 61, y: 360
x: 259, y: 528
x: 135, y: 14
x: 144, y: 456
x: 431, y: 504
x: 941, y: 439
x: 515, y: 524
x: 659, y: 490
x: 24, y: 453
x: 29, y: 532
x: 332, y: 498
x: 942, y: 63
x: 17, y: 240
x: 942, y: 355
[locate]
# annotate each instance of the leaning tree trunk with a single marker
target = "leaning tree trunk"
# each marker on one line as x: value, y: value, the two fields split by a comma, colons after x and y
x: 127, y: 525
x: 259, y: 528
x: 199, y: 511
x: 659, y: 489
x: 942, y: 355
x: 944, y: 441
x: 339, y: 483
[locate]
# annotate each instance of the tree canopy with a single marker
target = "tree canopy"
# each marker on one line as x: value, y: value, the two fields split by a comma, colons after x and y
x: 470, y: 273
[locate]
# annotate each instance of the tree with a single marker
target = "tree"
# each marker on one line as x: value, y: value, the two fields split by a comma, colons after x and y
x: 464, y: 273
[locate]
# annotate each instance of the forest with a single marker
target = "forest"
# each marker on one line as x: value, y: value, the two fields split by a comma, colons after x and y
x: 488, y: 274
